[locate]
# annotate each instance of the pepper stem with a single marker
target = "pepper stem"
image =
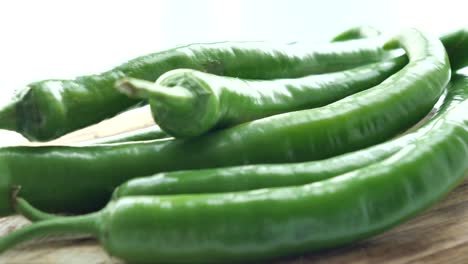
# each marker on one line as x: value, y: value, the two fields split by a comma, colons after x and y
x: 137, y: 88
x: 85, y: 224
x: 25, y: 209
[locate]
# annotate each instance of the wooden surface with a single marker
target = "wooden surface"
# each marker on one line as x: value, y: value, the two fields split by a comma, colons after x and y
x: 439, y: 235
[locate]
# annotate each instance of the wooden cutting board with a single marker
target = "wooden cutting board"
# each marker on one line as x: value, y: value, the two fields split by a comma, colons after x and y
x: 439, y: 235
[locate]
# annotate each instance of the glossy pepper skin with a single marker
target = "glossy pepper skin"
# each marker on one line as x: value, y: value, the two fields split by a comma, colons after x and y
x: 48, y: 109
x: 78, y: 179
x: 250, y: 177
x: 189, y: 103
x: 274, y: 222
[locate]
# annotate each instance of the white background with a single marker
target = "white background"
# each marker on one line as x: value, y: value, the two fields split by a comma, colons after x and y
x: 62, y: 39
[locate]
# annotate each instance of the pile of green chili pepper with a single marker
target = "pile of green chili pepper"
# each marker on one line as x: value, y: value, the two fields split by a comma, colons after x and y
x: 262, y: 150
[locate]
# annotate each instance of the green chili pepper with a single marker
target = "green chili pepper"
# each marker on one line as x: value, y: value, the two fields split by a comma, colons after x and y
x: 358, y: 32
x: 250, y: 177
x: 188, y: 103
x: 48, y: 109
x: 25, y: 209
x: 77, y: 179
x: 268, y: 223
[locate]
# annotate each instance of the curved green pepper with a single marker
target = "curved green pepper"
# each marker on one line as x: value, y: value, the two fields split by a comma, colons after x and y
x: 250, y: 177
x: 188, y: 103
x: 268, y: 223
